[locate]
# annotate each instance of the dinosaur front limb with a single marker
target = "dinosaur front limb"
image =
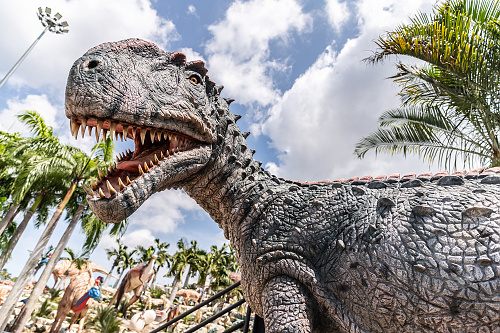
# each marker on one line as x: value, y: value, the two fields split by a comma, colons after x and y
x: 287, y: 306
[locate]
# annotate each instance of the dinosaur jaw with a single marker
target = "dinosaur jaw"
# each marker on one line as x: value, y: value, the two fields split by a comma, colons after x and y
x: 160, y: 159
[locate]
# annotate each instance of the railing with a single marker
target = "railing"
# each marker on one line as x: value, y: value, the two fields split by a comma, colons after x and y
x: 258, y: 326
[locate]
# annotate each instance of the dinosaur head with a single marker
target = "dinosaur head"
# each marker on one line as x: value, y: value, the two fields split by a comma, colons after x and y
x: 133, y: 90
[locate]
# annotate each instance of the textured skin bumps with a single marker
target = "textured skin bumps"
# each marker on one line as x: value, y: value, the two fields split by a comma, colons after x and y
x: 385, y: 254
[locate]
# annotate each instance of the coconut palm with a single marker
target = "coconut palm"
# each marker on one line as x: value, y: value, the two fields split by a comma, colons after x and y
x: 196, y: 256
x: 127, y: 262
x: 449, y: 111
x: 78, y: 167
x: 162, y: 258
x: 84, y: 169
x: 8, y: 166
x: 216, y: 266
x: 179, y: 262
x: 118, y: 254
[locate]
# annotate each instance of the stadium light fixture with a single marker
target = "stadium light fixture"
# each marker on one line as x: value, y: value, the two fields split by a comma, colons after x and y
x: 50, y: 23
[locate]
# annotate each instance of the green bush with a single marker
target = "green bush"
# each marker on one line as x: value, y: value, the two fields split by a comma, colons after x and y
x: 106, y: 320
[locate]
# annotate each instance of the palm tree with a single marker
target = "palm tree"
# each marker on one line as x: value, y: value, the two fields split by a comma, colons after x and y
x: 179, y: 262
x: 196, y: 256
x: 450, y: 105
x: 162, y: 258
x: 118, y: 254
x: 127, y: 262
x: 215, y: 267
x: 69, y: 162
x: 8, y: 169
x: 83, y: 170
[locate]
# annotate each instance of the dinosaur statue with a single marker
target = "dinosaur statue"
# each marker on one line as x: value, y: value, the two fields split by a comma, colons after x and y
x: 136, y: 280
x: 66, y: 269
x: 77, y: 288
x: 385, y: 254
x: 188, y: 295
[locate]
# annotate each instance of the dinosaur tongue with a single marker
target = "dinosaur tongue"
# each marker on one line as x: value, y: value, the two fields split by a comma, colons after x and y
x: 147, y: 153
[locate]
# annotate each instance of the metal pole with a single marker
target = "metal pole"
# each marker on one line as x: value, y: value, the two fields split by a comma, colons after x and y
x: 22, y: 58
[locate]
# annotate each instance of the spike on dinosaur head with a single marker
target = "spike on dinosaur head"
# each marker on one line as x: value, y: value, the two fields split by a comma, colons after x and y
x: 178, y: 58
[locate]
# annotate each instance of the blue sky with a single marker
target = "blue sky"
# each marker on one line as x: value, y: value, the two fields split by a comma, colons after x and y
x: 294, y: 67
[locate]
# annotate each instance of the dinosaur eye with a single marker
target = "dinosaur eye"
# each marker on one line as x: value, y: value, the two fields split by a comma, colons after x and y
x: 194, y: 79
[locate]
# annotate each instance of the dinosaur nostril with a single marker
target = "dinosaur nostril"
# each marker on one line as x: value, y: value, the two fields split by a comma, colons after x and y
x: 93, y: 64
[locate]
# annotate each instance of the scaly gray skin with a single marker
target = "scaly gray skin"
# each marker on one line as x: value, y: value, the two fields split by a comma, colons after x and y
x: 418, y: 254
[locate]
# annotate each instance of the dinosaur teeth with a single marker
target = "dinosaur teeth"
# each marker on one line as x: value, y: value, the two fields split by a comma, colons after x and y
x: 93, y: 185
x: 88, y: 191
x: 98, y: 129
x: 101, y: 193
x: 101, y: 175
x: 140, y: 170
x: 146, y: 168
x: 84, y: 126
x: 156, y: 159
x: 128, y: 181
x: 152, y: 134
x: 161, y: 155
x: 151, y: 164
x: 120, y: 183
x: 112, y: 129
x: 72, y: 125
x: 125, y: 131
x: 133, y: 132
x: 143, y: 134
x: 111, y: 189
x: 77, y: 129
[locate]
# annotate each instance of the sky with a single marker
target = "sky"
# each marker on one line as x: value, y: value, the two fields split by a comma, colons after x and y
x: 294, y: 67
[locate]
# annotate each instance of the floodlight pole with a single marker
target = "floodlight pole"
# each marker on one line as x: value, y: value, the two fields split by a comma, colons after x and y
x: 22, y: 58
x: 50, y: 23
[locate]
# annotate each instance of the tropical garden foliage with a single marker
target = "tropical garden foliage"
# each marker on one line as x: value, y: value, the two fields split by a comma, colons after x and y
x: 450, y: 99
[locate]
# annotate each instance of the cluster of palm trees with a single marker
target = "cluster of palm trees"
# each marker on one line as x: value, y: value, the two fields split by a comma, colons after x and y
x: 212, y: 267
x: 39, y: 174
x: 450, y: 102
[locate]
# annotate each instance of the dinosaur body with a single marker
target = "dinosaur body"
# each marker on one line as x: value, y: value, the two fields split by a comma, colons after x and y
x: 136, y: 280
x: 77, y: 288
x: 66, y: 269
x: 412, y: 254
x: 188, y: 295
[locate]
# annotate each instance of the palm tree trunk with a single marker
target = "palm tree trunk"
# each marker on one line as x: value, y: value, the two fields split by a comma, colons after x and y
x: 175, y: 287
x: 119, y: 279
x: 9, y: 216
x: 186, y: 281
x: 24, y: 276
x: 25, y: 314
x: 19, y: 231
x: 106, y: 280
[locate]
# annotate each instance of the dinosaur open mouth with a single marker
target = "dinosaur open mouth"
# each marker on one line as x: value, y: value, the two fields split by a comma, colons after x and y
x: 153, y: 146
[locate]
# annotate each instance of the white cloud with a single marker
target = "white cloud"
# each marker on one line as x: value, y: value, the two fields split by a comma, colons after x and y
x: 238, y: 53
x: 335, y: 103
x: 337, y: 13
x: 48, y: 64
x: 142, y: 237
x: 192, y: 10
x: 163, y: 211
x: 15, y: 106
x: 191, y: 54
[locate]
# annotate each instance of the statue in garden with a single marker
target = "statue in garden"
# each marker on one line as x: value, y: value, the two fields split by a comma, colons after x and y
x: 385, y: 254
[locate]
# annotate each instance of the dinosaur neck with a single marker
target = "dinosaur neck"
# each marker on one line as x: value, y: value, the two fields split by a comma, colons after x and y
x: 233, y: 182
